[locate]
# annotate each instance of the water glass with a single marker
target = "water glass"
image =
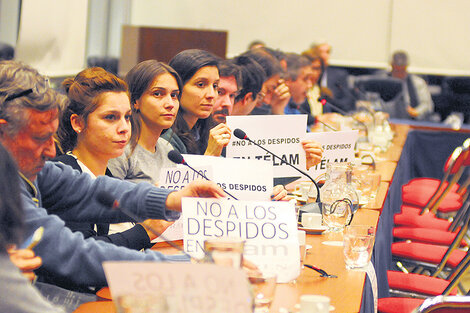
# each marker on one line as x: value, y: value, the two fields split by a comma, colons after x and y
x: 263, y: 287
x: 225, y: 251
x: 358, y: 241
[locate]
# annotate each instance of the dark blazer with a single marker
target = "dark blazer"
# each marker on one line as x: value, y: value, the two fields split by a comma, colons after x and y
x: 337, y: 82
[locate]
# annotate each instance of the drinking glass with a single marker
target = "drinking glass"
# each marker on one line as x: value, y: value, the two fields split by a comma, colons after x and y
x: 225, y: 251
x: 358, y: 241
x: 264, y: 288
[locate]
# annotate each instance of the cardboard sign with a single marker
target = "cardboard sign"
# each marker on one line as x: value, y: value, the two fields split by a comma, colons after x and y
x: 187, y: 288
x: 244, y: 179
x: 269, y: 228
x: 337, y: 147
x: 280, y: 134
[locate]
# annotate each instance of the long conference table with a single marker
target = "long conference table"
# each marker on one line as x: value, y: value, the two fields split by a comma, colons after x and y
x: 350, y: 292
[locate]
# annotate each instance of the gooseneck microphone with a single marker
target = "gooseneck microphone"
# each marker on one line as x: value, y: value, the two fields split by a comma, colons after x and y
x: 109, y: 200
x: 327, y: 100
x: 240, y: 134
x: 177, y: 158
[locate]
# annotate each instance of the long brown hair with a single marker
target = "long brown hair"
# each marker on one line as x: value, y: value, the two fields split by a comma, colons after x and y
x: 84, y: 92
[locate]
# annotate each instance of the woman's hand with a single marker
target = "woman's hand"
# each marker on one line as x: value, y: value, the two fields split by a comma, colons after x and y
x: 219, y: 137
x: 279, y: 194
x: 313, y: 152
x: 26, y: 261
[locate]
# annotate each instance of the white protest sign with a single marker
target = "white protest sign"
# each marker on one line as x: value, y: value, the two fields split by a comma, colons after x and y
x: 269, y: 228
x: 177, y: 178
x: 337, y: 147
x: 187, y: 288
x: 280, y: 134
x: 180, y: 176
x: 244, y: 179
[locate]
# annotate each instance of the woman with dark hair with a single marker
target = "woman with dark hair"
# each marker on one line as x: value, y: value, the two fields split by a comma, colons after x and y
x: 16, y: 292
x: 194, y: 130
x: 155, y: 93
x: 94, y: 128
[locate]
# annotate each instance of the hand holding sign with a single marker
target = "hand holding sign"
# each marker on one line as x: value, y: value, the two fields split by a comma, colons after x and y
x: 313, y: 152
x: 219, y: 137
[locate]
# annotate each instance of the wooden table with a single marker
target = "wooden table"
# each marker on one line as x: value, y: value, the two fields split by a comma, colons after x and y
x: 345, y: 291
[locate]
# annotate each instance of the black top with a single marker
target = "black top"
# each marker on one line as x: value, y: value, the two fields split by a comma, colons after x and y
x: 135, y: 238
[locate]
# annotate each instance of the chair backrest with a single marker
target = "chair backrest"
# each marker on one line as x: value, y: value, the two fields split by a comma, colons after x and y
x: 456, y: 90
x: 453, y: 169
x: 7, y: 52
x: 387, y: 87
x: 445, y: 304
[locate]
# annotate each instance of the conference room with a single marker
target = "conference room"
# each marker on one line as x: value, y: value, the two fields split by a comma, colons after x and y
x: 386, y: 146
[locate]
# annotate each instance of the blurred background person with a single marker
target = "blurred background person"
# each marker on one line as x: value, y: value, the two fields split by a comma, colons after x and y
x: 416, y: 95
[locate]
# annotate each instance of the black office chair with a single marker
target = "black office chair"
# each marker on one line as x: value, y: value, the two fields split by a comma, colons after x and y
x: 7, y: 52
x: 390, y: 91
x: 456, y: 91
x: 111, y: 64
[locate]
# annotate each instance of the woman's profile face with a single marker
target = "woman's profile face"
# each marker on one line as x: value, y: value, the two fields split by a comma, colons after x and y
x: 199, y: 93
x: 108, y: 128
x: 159, y: 104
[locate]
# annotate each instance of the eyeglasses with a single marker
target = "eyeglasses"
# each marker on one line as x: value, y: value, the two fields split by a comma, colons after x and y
x: 38, y: 89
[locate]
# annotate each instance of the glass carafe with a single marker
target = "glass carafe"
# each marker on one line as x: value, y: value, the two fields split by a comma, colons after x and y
x: 338, y: 191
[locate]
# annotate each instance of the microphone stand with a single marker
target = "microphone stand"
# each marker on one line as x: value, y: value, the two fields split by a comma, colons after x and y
x: 245, y: 137
x: 327, y: 100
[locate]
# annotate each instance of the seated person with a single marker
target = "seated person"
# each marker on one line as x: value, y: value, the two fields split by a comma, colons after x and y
x: 418, y: 101
x: 53, y: 192
x: 253, y: 77
x: 274, y: 94
x: 335, y: 79
x: 194, y: 131
x: 94, y: 128
x: 17, y: 294
x: 313, y: 106
x: 155, y: 92
x: 299, y: 82
x: 229, y: 82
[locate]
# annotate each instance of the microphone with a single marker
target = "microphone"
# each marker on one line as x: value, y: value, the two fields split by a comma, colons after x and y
x: 327, y: 100
x: 177, y: 158
x: 240, y: 134
x: 109, y: 200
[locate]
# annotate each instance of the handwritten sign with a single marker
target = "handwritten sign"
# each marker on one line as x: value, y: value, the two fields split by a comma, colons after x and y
x: 269, y: 228
x: 187, y: 288
x: 180, y: 176
x: 280, y: 134
x: 337, y: 147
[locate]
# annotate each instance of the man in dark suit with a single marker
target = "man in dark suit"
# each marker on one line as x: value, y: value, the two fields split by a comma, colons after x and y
x: 335, y: 79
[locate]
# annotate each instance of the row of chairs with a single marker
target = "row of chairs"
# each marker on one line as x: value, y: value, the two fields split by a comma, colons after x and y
x: 430, y: 246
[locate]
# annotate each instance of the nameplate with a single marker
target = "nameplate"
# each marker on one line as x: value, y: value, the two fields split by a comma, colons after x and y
x: 269, y: 229
x: 280, y: 134
x: 337, y: 147
x: 186, y: 288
